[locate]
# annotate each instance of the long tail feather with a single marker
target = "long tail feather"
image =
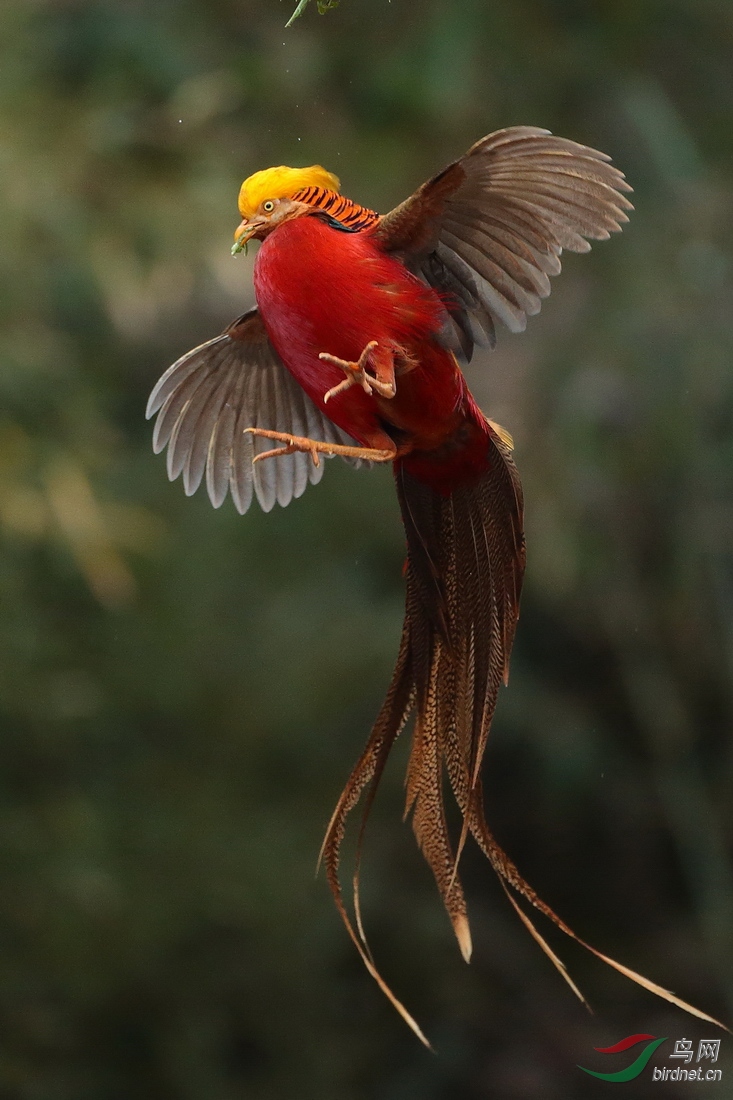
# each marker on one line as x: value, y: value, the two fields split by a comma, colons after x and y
x: 464, y: 577
x: 508, y: 873
x: 368, y: 770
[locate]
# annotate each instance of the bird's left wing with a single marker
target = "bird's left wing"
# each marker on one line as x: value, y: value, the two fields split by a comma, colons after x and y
x: 207, y: 399
x: 487, y: 231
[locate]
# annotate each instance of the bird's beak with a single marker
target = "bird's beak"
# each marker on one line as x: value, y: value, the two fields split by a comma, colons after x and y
x: 244, y: 232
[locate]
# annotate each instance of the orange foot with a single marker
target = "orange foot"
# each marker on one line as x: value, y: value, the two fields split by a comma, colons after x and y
x: 356, y: 374
x: 316, y: 447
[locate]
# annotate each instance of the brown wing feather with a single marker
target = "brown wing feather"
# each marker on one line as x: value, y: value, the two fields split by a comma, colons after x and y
x: 489, y: 229
x: 207, y: 399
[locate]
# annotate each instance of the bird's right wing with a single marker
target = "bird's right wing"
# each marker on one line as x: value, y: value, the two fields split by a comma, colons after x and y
x: 207, y: 399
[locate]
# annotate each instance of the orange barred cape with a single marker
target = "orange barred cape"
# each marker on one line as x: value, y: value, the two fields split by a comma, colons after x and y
x: 346, y: 212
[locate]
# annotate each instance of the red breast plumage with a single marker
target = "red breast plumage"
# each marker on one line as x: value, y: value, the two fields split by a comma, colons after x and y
x: 317, y: 287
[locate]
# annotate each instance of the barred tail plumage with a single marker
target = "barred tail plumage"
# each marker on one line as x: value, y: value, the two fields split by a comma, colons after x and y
x: 464, y: 576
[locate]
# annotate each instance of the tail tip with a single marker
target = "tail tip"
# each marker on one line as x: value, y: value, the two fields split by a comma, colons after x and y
x: 463, y: 935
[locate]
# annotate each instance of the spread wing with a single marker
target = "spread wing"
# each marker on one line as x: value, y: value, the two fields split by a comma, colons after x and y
x: 210, y: 395
x: 488, y: 230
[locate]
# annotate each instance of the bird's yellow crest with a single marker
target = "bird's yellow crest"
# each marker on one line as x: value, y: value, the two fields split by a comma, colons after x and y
x: 281, y: 183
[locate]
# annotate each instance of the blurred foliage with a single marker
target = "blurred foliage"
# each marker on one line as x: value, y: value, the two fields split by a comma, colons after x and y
x: 322, y: 5
x: 183, y: 691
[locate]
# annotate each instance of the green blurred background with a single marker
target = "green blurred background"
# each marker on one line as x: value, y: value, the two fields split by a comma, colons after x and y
x: 183, y: 691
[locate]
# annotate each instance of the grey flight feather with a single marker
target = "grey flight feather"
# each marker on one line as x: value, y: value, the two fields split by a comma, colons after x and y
x: 488, y: 230
x: 206, y: 400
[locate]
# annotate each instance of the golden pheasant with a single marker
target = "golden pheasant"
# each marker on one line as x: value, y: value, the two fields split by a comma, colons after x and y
x: 354, y: 350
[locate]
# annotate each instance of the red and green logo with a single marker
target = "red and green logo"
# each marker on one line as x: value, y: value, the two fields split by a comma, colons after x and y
x: 639, y: 1063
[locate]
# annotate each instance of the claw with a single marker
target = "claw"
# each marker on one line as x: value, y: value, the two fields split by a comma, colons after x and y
x: 316, y: 447
x: 356, y: 374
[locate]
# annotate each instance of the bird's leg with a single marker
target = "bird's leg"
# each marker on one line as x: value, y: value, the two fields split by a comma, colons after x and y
x: 316, y: 447
x: 381, y: 382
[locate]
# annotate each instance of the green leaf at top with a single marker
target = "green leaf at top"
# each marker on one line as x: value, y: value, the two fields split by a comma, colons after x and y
x: 322, y: 5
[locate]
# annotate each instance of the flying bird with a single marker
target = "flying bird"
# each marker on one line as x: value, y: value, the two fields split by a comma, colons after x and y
x: 355, y: 349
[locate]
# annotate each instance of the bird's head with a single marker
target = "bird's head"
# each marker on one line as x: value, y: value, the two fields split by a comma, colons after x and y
x: 271, y: 197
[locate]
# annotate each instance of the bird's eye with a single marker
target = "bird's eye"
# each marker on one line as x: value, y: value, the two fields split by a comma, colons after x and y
x: 268, y: 206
